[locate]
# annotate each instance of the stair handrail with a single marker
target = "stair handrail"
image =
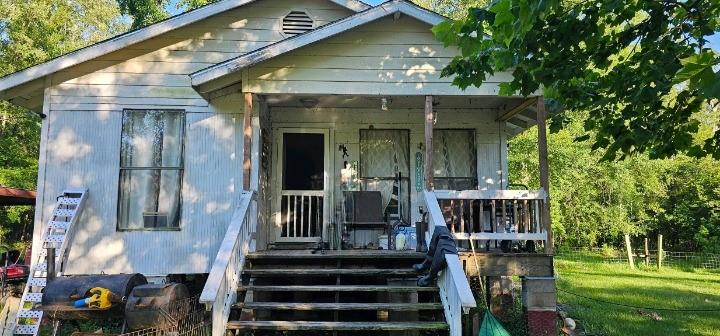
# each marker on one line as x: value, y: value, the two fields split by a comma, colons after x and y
x: 220, y: 291
x: 455, y: 293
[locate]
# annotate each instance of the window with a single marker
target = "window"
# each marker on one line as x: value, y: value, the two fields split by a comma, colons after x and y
x: 383, y: 154
x: 454, y: 159
x: 151, y: 170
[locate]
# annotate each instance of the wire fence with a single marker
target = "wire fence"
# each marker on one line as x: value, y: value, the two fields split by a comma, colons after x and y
x: 683, y: 260
x: 181, y: 318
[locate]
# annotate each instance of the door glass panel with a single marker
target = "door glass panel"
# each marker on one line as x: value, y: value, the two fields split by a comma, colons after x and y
x: 303, y: 161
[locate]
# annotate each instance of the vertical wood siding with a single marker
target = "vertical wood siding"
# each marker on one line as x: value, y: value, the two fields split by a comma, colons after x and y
x: 83, y: 138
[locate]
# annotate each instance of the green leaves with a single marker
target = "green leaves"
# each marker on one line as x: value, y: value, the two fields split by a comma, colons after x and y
x: 698, y: 71
x: 638, y: 68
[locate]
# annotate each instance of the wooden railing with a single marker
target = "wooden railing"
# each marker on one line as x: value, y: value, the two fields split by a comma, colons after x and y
x: 455, y: 293
x: 494, y: 214
x: 220, y: 291
x: 301, y: 213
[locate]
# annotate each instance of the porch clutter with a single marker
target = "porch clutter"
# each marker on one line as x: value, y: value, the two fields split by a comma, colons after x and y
x: 99, y: 298
x: 442, y: 243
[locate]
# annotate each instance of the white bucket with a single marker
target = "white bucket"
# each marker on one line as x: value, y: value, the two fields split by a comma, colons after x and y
x: 383, y: 242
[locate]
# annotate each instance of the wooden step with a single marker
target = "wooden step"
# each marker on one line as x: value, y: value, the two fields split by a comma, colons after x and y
x: 339, y: 306
x: 347, y: 254
x: 328, y: 271
x: 338, y: 289
x: 345, y: 326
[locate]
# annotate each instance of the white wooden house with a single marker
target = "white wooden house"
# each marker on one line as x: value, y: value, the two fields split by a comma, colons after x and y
x: 240, y: 126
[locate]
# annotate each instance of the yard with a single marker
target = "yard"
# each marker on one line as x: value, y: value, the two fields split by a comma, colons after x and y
x: 668, y: 288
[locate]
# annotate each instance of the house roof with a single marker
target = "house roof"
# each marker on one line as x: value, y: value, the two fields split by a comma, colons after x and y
x: 12, y: 196
x: 133, y: 37
x: 391, y: 7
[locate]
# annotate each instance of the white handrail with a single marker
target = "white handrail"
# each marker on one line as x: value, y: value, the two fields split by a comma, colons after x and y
x: 220, y: 291
x: 455, y: 293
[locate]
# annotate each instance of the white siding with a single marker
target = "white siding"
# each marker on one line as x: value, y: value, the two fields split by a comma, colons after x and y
x: 385, y: 57
x: 83, y: 138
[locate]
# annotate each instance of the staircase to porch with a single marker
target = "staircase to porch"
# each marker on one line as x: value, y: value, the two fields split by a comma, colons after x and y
x: 336, y: 293
x: 357, y: 292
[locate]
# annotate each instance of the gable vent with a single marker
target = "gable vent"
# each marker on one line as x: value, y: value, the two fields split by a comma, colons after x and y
x: 297, y: 22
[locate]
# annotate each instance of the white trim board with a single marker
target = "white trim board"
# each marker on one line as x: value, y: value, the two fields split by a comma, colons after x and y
x: 134, y: 37
x: 241, y: 62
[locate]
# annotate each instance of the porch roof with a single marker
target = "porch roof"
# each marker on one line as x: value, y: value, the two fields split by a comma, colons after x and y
x: 392, y: 7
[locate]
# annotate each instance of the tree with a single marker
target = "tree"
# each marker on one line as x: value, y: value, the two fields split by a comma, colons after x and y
x: 642, y: 69
x: 32, y: 32
x: 147, y: 12
x: 144, y: 12
x: 454, y: 9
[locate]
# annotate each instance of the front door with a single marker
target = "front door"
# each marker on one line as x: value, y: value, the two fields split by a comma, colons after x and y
x: 301, y: 205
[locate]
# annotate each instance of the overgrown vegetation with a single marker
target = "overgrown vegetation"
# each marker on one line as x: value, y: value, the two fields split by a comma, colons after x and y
x: 596, y: 202
x: 645, y: 287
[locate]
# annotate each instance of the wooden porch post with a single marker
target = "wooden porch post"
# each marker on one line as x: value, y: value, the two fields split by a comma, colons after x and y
x: 429, y: 121
x: 544, y: 177
x: 247, y: 139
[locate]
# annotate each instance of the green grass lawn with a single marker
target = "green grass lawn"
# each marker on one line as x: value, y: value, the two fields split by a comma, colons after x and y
x: 644, y: 287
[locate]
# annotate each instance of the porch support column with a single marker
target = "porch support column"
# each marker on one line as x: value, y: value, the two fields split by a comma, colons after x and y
x: 429, y: 121
x: 544, y: 177
x: 247, y: 139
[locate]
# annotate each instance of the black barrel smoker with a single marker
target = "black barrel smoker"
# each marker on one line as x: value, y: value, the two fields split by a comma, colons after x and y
x: 156, y: 305
x: 142, y: 305
x: 61, y: 293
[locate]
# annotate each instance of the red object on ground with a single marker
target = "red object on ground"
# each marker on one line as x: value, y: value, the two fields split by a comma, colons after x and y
x: 542, y: 323
x: 15, y: 272
x: 12, y: 196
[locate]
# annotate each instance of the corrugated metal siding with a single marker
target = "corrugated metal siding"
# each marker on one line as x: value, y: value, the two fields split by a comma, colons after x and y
x: 84, y: 119
x: 79, y: 155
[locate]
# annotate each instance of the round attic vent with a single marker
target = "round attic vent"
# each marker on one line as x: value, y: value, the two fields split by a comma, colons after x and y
x: 297, y: 22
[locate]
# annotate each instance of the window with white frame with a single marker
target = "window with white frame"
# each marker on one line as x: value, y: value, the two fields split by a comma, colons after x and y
x: 454, y: 159
x: 151, y: 169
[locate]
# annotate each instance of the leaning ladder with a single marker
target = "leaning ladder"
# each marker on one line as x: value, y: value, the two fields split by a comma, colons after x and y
x: 56, y: 235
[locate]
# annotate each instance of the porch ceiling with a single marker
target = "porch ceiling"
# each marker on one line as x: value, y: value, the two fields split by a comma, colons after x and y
x: 394, y: 102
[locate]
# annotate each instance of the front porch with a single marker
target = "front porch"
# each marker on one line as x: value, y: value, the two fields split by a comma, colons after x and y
x: 283, y: 219
x: 345, y: 171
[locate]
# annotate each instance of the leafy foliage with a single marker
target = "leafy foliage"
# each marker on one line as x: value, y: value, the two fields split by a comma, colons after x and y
x: 32, y: 32
x: 147, y: 12
x: 596, y: 203
x: 144, y: 12
x: 641, y: 69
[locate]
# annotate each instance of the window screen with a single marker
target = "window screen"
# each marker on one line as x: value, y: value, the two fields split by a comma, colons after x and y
x: 454, y: 159
x: 151, y: 169
x: 383, y: 153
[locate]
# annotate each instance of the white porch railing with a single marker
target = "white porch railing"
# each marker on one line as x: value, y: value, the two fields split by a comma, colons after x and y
x: 494, y: 214
x: 455, y: 293
x: 301, y: 214
x: 220, y: 291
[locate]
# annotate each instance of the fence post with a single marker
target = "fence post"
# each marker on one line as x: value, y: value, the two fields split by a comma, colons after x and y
x: 659, y: 251
x: 629, y: 251
x: 647, y: 253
